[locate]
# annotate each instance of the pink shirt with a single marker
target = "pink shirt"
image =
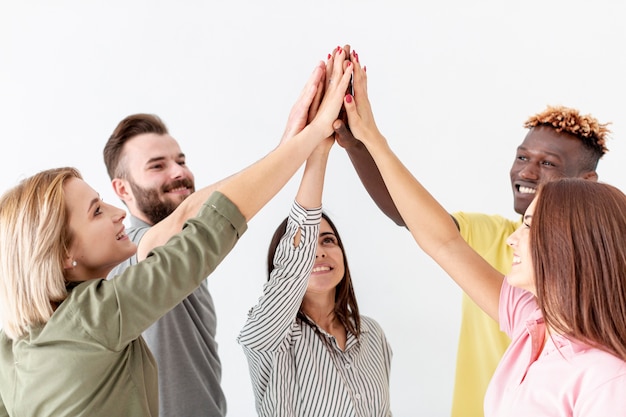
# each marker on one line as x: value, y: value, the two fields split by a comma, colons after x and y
x: 567, y: 379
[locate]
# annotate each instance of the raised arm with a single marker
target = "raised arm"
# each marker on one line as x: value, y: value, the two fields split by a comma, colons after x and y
x: 251, y: 188
x: 431, y: 226
x: 367, y: 171
x: 364, y: 165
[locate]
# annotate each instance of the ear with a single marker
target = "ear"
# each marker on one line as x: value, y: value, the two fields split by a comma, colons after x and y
x: 590, y: 175
x: 121, y: 189
x: 67, y: 262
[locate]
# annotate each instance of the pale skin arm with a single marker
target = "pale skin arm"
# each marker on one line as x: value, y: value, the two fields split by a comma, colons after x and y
x: 431, y: 226
x: 251, y: 188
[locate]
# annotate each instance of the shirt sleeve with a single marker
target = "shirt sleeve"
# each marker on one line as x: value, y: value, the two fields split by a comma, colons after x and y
x: 129, y: 303
x: 516, y: 305
x: 269, y: 323
x: 3, y: 409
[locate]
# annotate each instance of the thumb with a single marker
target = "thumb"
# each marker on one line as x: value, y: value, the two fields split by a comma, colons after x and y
x: 351, y: 111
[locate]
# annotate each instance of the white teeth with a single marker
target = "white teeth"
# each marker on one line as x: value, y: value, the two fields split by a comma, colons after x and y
x: 178, y: 189
x: 321, y: 268
x: 527, y: 190
x: 516, y: 259
x: 120, y: 236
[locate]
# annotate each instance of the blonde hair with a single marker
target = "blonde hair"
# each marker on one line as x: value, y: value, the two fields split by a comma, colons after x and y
x: 33, y: 246
x: 585, y: 127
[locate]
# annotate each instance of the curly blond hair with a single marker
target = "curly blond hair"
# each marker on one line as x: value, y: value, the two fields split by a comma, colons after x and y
x: 592, y: 133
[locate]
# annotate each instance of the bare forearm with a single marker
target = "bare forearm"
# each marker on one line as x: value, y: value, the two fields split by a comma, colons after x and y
x: 436, y: 233
x: 253, y: 187
x: 369, y: 175
x: 312, y: 184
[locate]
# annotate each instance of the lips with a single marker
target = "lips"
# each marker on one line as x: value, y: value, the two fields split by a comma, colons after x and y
x: 321, y: 268
x: 179, y: 186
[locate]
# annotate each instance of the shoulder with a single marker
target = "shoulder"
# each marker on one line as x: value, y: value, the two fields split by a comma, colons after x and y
x: 485, y: 232
x: 370, y: 325
x: 135, y: 233
x: 481, y: 220
x: 600, y: 383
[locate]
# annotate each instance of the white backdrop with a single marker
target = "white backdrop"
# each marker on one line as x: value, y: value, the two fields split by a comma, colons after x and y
x: 451, y: 83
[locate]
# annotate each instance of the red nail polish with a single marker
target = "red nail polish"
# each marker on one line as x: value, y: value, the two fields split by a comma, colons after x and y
x: 329, y: 55
x: 349, y: 63
x: 348, y: 98
x: 364, y: 68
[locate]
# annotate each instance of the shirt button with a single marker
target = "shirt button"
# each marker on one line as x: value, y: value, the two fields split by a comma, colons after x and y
x: 357, y: 396
x: 347, y: 366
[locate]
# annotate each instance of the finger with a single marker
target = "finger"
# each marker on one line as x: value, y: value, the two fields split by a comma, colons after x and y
x: 298, y: 115
x: 329, y: 69
x: 359, y: 78
x: 315, y: 105
x: 343, y: 136
x: 346, y: 50
x: 311, y: 86
x: 336, y: 65
x: 351, y: 110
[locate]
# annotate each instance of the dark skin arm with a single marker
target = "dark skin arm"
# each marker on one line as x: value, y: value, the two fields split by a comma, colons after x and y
x: 365, y: 166
x: 367, y: 171
x: 363, y: 163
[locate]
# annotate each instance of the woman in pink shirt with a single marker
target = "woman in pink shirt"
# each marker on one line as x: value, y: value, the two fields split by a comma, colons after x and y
x: 563, y: 303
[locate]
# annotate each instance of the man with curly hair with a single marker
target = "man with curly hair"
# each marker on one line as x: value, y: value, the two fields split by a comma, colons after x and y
x: 560, y: 143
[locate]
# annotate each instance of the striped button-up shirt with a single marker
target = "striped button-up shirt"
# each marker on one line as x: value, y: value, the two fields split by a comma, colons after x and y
x: 297, y: 370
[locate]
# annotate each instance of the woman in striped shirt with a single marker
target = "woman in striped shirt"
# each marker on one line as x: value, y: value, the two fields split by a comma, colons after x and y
x: 310, y: 352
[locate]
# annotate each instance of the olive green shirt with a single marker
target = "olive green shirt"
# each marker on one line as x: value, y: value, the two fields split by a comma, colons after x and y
x: 89, y: 359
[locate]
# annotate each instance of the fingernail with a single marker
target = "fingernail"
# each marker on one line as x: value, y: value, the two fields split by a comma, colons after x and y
x: 329, y: 55
x: 348, y: 98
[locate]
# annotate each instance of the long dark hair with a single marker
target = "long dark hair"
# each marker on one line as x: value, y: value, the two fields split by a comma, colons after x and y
x: 346, y: 308
x: 577, y: 238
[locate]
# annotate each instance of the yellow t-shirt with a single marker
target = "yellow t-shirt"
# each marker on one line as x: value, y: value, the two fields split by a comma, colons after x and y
x: 481, y: 343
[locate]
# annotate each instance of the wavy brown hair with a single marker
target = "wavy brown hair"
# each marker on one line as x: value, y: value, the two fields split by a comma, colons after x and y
x: 578, y: 241
x: 346, y: 307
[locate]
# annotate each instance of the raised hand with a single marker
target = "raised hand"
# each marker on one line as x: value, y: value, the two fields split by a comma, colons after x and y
x: 358, y: 108
x: 337, y: 82
x: 308, y: 101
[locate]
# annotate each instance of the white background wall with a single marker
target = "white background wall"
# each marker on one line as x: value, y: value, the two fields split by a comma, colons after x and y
x: 451, y: 83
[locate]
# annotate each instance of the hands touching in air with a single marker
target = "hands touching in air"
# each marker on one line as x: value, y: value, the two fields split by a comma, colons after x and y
x: 321, y: 98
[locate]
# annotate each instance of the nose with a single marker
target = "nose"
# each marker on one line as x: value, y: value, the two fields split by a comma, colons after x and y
x: 529, y: 172
x: 118, y: 215
x: 177, y: 171
x: 512, y: 239
x: 320, y: 253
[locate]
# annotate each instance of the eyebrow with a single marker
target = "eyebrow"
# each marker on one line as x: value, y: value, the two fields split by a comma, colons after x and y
x: 552, y: 154
x: 528, y: 217
x: 93, y: 203
x: 161, y: 158
x: 326, y: 234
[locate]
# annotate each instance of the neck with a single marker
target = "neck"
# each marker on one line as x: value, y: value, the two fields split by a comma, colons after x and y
x: 321, y: 309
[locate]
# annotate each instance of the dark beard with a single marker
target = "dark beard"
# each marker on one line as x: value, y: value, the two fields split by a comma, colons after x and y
x: 149, y: 201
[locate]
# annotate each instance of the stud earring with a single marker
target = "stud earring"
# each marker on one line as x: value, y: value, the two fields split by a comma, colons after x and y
x: 74, y: 263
